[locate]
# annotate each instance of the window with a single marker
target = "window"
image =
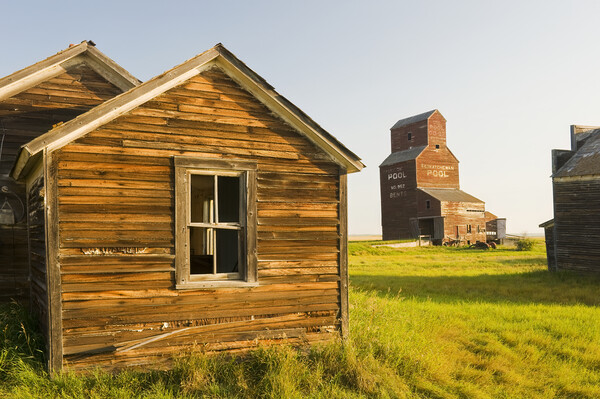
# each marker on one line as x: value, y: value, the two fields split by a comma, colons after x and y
x: 468, y: 228
x: 437, y: 146
x: 428, y: 204
x: 409, y: 136
x: 215, y: 222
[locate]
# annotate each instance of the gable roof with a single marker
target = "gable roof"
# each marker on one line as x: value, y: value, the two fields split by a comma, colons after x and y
x: 401, y: 156
x: 57, y: 64
x: 450, y: 195
x: 585, y: 161
x: 414, y: 119
x: 216, y: 56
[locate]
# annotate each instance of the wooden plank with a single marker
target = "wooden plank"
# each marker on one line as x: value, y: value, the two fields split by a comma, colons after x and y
x: 117, y: 227
x: 139, y: 333
x: 132, y: 316
x: 90, y: 192
x: 343, y: 245
x: 251, y: 223
x: 53, y: 283
x: 70, y: 153
x: 201, y: 137
x: 196, y: 302
x: 117, y: 242
x: 118, y: 234
x: 116, y: 213
x: 116, y: 175
x: 217, y: 148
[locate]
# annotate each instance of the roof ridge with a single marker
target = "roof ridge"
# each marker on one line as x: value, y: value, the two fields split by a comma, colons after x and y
x: 29, y: 76
x: 414, y: 119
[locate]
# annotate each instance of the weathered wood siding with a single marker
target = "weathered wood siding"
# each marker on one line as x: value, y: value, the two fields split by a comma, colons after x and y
x: 437, y: 168
x: 418, y: 132
x: 459, y: 215
x: 37, y: 253
x: 24, y: 117
x: 34, y: 111
x: 550, y: 255
x: 435, y: 206
x: 436, y: 130
x: 576, y: 207
x: 116, y: 190
x: 13, y: 246
x: 398, y: 199
x: 431, y: 131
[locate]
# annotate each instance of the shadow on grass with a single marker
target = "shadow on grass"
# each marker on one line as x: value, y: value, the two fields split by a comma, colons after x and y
x: 541, y: 287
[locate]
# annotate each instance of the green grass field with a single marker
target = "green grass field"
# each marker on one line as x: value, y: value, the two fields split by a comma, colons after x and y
x: 425, y: 323
x: 456, y: 322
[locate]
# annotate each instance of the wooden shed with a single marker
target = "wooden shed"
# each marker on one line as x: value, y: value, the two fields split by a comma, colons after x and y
x: 198, y: 208
x: 573, y: 235
x: 32, y: 100
x: 495, y: 228
x: 420, y: 188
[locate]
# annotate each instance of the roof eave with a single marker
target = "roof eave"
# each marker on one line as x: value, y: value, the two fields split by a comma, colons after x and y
x: 31, y: 75
x: 46, y: 63
x: 112, y: 71
x: 111, y: 109
x: 586, y: 177
x: 21, y: 164
x: 58, y: 63
x: 288, y: 111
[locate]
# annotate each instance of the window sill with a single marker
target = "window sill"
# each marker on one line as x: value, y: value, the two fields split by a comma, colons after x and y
x: 195, y: 285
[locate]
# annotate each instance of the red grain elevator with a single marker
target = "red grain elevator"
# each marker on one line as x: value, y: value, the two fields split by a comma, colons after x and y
x: 420, y: 189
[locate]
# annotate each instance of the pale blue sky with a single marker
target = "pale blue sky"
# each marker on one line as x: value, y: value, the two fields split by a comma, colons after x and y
x: 510, y: 77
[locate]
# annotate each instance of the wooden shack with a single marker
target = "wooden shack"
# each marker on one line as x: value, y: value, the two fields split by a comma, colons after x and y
x: 420, y: 189
x: 573, y: 236
x: 200, y: 208
x: 32, y: 100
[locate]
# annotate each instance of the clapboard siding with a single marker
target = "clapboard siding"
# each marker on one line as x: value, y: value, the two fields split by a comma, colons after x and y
x: 14, y: 270
x: 37, y: 254
x: 34, y: 111
x: 24, y: 117
x: 576, y: 202
x: 458, y: 215
x: 116, y: 189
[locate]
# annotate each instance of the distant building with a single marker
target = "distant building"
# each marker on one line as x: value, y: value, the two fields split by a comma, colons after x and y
x: 573, y: 236
x: 420, y: 190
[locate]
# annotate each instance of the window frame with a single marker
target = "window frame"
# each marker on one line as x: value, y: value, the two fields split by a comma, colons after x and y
x: 247, y: 274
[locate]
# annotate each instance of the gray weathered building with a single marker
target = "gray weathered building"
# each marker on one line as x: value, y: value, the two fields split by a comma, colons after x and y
x: 573, y: 236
